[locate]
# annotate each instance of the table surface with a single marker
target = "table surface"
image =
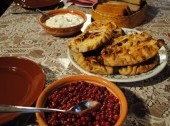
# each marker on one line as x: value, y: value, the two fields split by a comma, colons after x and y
x: 148, y: 100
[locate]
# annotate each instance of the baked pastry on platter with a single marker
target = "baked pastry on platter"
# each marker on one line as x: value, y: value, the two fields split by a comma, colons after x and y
x: 106, y: 50
x: 131, y: 50
x: 101, y: 25
x: 96, y: 35
x: 139, y: 68
x: 92, y: 64
x: 133, y: 38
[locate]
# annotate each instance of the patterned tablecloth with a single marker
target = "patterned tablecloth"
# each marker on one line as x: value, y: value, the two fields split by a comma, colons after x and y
x: 148, y: 100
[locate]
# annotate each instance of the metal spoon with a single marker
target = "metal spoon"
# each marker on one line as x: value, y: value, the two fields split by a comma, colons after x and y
x: 80, y: 108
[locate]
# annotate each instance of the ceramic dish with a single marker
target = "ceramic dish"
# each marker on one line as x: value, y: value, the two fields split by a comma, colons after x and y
x: 62, y: 31
x: 98, y: 81
x: 36, y: 3
x: 21, y: 82
x: 84, y: 4
x: 121, y: 78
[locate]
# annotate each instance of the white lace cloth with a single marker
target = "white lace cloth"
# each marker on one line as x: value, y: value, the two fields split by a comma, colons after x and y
x: 21, y: 35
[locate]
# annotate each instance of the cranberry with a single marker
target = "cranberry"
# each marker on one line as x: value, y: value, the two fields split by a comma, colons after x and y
x: 65, y: 97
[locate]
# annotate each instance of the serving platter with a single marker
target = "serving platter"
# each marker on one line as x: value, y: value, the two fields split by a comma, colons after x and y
x: 21, y: 82
x: 163, y: 59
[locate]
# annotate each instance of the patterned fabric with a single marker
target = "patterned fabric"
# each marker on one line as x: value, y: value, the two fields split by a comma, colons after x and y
x: 148, y: 100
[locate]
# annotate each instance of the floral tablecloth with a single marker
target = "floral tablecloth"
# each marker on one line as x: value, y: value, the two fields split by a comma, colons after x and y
x: 148, y: 100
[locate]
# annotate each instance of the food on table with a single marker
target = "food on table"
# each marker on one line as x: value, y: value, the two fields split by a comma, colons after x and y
x: 64, y: 20
x: 64, y: 97
x: 92, y: 64
x: 94, y: 37
x: 102, y: 25
x: 119, y: 8
x: 131, y: 8
x: 123, y: 54
x: 113, y: 9
x: 139, y: 68
x: 132, y: 37
x: 131, y: 50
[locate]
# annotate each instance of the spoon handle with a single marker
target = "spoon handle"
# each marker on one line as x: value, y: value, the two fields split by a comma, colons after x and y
x: 37, y: 10
x: 21, y: 109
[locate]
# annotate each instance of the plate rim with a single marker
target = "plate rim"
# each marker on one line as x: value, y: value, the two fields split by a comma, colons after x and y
x: 135, y: 77
x: 86, y: 5
x: 6, y: 118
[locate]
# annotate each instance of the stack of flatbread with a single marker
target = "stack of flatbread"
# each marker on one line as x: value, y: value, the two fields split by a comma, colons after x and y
x: 104, y: 49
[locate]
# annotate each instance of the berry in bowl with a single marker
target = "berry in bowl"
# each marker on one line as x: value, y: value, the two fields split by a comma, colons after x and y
x: 67, y: 92
x: 63, y: 22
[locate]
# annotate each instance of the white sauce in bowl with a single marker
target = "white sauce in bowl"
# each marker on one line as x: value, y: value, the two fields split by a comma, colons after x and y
x: 64, y: 20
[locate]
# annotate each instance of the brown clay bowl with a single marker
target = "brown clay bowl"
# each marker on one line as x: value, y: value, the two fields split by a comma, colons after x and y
x: 97, y: 81
x: 21, y: 82
x: 64, y: 31
x: 36, y: 3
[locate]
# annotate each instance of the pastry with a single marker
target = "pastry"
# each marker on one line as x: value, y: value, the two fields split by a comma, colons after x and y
x: 131, y: 49
x: 104, y: 49
x: 140, y: 68
x: 131, y: 38
x: 101, y: 25
x: 92, y: 64
x: 96, y: 35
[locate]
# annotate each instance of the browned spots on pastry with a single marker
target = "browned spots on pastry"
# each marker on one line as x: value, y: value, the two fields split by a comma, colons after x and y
x: 130, y: 50
x: 104, y: 49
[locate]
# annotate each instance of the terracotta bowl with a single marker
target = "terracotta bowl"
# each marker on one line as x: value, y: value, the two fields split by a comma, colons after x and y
x: 62, y: 32
x: 21, y: 82
x: 111, y: 87
x: 130, y: 21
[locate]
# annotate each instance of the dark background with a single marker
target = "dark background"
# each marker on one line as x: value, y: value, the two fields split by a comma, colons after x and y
x: 4, y: 4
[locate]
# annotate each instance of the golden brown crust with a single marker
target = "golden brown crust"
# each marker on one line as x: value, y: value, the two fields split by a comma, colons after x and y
x: 139, y: 68
x: 100, y: 25
x: 95, y: 35
x: 130, y: 50
x: 112, y: 9
x: 104, y: 49
x: 132, y: 7
x: 92, y: 64
x: 132, y: 38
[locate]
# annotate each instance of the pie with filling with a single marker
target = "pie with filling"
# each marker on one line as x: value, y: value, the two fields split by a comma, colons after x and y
x: 92, y: 64
x: 140, y: 68
x: 131, y: 49
x: 94, y: 36
x: 104, y: 49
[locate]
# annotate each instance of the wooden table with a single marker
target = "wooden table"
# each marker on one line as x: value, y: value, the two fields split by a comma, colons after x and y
x: 148, y: 100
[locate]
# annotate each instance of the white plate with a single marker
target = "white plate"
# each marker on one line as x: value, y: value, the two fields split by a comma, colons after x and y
x: 121, y: 78
x: 87, y: 5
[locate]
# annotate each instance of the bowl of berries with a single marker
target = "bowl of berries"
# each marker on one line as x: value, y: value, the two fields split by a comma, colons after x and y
x: 68, y: 91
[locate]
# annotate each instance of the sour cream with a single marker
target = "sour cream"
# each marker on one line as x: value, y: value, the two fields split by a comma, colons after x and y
x: 64, y: 20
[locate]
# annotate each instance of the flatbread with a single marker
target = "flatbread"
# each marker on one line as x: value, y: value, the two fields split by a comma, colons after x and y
x: 92, y: 64
x: 140, y: 68
x: 95, y: 35
x: 131, y: 50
